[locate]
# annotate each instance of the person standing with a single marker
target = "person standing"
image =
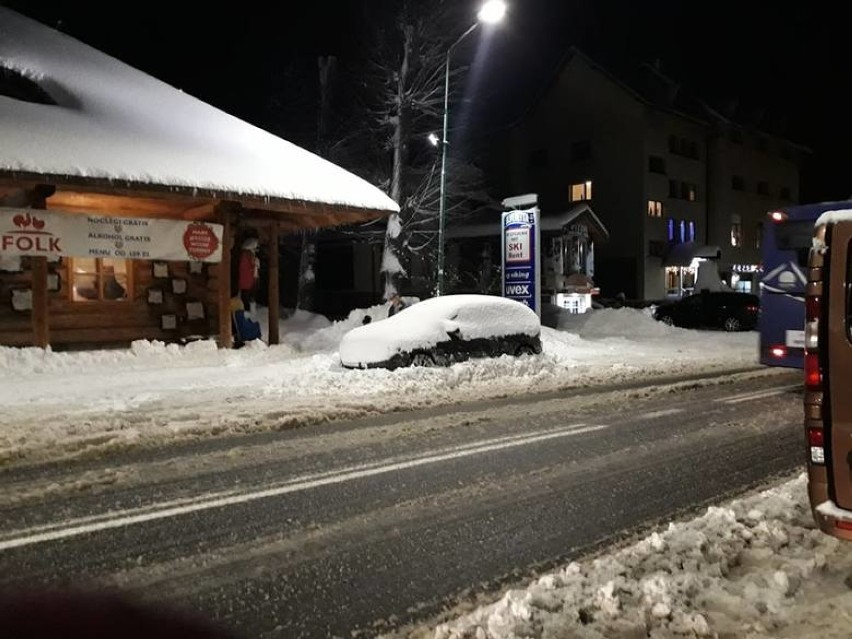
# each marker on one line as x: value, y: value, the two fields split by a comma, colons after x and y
x: 249, y: 271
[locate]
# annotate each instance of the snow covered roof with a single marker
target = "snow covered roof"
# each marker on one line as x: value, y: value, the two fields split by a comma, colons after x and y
x: 103, y: 119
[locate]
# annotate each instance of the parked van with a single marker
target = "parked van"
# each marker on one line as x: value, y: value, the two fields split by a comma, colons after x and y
x: 828, y: 373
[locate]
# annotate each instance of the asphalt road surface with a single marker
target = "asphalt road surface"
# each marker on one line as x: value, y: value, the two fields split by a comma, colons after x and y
x: 358, y: 528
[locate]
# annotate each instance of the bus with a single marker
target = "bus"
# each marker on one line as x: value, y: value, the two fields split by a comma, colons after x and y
x: 786, y: 242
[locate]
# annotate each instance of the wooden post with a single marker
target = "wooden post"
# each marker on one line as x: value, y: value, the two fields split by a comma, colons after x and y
x: 39, y: 312
x: 226, y: 335
x: 274, y: 293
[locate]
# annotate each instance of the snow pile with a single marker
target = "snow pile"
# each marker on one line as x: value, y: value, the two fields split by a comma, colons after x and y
x: 611, y: 322
x: 748, y: 569
x: 57, y: 404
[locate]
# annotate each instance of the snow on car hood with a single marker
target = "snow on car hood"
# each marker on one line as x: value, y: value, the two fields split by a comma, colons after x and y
x: 426, y: 324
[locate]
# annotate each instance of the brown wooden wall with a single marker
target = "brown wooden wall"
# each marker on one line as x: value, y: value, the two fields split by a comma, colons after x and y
x: 113, y: 322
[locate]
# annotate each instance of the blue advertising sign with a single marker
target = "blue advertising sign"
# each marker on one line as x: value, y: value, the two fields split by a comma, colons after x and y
x: 521, y: 259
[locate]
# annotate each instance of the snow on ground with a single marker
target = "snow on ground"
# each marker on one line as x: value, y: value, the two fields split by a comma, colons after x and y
x: 74, y: 403
x: 754, y: 567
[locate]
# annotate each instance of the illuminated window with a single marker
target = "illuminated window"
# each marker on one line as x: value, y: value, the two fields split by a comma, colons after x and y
x: 682, y: 231
x: 688, y: 191
x: 692, y: 231
x: 581, y: 192
x: 655, y: 208
x: 670, y: 226
x: 736, y: 230
x: 100, y: 279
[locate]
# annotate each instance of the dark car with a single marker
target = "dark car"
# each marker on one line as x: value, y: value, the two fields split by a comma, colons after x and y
x: 729, y: 311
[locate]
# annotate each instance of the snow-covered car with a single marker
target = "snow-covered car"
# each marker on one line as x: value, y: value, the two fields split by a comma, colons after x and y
x: 443, y: 330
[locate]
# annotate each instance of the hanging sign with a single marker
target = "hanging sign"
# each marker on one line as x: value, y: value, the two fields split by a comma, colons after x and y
x: 521, y: 259
x: 55, y: 234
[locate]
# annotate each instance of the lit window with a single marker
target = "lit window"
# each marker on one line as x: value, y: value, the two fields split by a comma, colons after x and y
x: 670, y: 224
x: 692, y: 231
x: 94, y: 280
x: 655, y: 208
x: 581, y: 192
x: 682, y: 231
x: 691, y: 192
x: 736, y: 230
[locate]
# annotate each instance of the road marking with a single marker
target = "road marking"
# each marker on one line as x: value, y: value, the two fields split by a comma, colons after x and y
x: 176, y: 508
x: 748, y: 397
x: 660, y: 413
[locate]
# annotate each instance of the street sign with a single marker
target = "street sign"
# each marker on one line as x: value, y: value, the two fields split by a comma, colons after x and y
x: 521, y: 257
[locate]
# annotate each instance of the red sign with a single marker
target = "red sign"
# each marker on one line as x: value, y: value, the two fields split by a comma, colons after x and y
x: 200, y: 241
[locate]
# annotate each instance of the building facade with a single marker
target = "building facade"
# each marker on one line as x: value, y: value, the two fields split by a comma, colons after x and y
x: 666, y: 174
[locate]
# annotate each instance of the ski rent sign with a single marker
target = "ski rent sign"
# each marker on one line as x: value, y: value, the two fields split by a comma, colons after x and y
x: 521, y: 258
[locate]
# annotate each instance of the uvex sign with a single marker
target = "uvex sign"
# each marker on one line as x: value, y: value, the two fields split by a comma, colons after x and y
x: 57, y: 234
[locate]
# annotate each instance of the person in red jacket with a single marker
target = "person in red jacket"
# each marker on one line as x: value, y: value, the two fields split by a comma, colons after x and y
x: 249, y: 270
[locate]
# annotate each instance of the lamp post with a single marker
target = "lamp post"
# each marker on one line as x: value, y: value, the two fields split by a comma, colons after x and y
x: 491, y: 12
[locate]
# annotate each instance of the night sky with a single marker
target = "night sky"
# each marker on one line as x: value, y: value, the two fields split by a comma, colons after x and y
x: 792, y: 63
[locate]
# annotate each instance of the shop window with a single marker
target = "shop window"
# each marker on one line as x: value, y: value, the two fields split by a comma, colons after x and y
x: 655, y: 208
x: 100, y: 280
x: 736, y: 230
x: 581, y: 192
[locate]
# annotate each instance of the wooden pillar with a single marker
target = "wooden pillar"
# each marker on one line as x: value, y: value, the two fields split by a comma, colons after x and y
x: 274, y: 294
x: 225, y: 212
x: 40, y: 310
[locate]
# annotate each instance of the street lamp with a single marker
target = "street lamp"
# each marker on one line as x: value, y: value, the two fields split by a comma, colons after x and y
x: 491, y: 12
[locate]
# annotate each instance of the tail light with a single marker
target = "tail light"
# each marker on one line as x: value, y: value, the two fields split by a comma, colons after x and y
x: 754, y: 308
x: 813, y: 375
x: 816, y: 443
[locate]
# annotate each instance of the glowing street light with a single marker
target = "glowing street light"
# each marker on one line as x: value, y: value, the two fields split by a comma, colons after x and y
x: 434, y: 140
x: 491, y: 12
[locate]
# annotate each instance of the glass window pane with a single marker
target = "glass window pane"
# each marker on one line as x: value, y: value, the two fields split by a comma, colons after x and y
x: 85, y: 287
x: 119, y: 266
x: 85, y: 265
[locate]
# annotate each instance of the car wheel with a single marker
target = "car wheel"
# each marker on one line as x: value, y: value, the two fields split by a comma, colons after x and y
x: 667, y: 320
x: 422, y: 359
x: 524, y: 349
x: 732, y: 324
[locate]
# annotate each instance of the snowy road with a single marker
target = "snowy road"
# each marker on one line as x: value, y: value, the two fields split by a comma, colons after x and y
x: 371, y: 524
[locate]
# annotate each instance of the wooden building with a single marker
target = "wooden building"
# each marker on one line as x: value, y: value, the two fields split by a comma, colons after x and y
x: 131, y: 172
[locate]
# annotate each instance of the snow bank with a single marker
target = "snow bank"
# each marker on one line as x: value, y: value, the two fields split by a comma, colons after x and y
x: 57, y: 404
x: 754, y: 567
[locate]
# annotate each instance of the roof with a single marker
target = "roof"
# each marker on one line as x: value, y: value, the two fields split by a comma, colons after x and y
x: 105, y: 120
x: 491, y: 227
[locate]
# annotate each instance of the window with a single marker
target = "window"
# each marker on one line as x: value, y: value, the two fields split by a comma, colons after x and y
x: 581, y: 150
x: 785, y: 193
x: 655, y: 208
x: 736, y: 230
x: 656, y: 164
x: 763, y: 188
x: 758, y: 237
x: 670, y: 225
x: 682, y: 232
x: 582, y: 191
x: 688, y: 191
x: 692, y: 231
x: 738, y: 183
x: 100, y: 279
x: 539, y: 159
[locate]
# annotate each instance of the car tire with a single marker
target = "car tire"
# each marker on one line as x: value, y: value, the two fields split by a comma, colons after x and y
x: 524, y: 349
x: 667, y: 320
x: 732, y: 324
x: 423, y: 360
